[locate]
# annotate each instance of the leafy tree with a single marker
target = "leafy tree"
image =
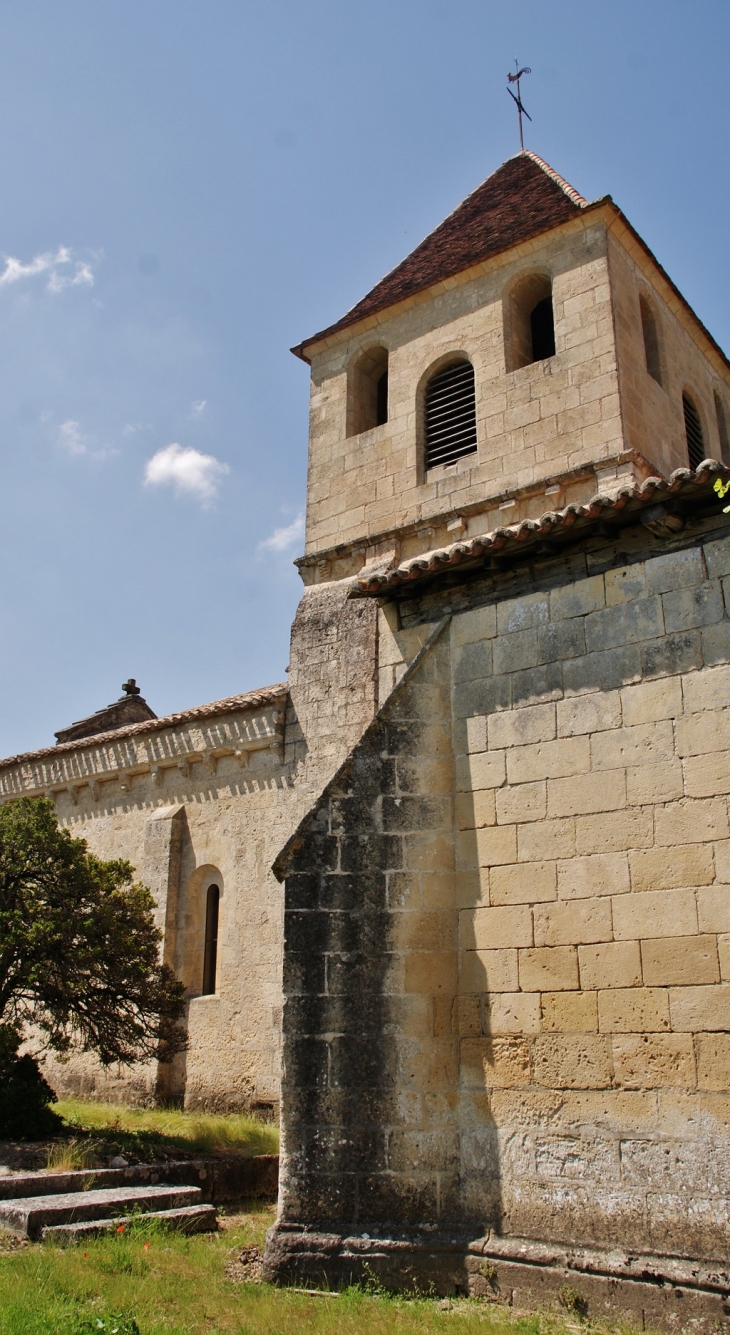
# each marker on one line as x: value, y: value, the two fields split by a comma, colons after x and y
x: 79, y: 949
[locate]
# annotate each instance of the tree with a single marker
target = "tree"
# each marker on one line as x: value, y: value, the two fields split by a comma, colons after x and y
x: 79, y: 949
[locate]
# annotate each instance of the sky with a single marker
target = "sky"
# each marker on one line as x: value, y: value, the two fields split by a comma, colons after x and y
x: 190, y: 187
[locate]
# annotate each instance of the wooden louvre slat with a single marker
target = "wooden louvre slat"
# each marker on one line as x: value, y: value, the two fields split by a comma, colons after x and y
x: 451, y: 418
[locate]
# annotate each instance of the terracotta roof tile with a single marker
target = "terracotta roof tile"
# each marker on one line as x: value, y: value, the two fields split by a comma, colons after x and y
x: 573, y: 521
x: 521, y: 199
x: 266, y: 695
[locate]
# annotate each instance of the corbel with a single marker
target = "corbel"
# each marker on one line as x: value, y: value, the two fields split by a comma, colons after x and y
x: 125, y: 781
x: 184, y: 767
x: 156, y: 774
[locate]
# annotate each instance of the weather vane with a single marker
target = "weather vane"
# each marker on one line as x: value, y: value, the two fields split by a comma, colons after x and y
x: 515, y: 78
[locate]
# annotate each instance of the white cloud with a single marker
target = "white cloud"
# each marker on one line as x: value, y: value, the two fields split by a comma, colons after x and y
x: 197, y: 408
x: 71, y: 437
x: 186, y: 470
x: 54, y: 265
x: 283, y: 538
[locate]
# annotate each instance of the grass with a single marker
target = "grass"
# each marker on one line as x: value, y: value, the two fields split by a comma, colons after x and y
x: 144, y: 1131
x: 155, y: 1283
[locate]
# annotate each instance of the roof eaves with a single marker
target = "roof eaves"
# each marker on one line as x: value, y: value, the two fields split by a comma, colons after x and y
x: 510, y: 540
x: 257, y: 699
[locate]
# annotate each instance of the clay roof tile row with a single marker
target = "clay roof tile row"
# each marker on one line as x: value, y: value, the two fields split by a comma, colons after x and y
x: 509, y: 540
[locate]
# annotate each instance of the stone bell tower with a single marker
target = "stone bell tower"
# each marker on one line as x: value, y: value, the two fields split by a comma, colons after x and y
x: 507, y: 947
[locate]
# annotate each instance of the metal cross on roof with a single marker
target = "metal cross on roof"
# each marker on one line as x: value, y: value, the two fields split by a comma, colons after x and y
x: 515, y: 78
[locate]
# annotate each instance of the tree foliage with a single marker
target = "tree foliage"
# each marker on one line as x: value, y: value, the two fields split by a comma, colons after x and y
x: 79, y: 949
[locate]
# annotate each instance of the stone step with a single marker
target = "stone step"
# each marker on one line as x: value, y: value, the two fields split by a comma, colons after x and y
x: 223, y: 1177
x: 29, y: 1215
x: 189, y: 1219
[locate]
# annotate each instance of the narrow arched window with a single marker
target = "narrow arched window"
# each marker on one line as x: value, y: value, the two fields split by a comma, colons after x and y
x: 722, y: 429
x: 529, y: 322
x: 367, y: 392
x: 210, y: 958
x: 693, y: 432
x: 651, y: 340
x: 450, y: 414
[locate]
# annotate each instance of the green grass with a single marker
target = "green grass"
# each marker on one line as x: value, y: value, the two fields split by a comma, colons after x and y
x: 170, y: 1285
x: 143, y: 1131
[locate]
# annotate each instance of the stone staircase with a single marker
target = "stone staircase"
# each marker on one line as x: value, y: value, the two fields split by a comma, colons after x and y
x: 70, y: 1206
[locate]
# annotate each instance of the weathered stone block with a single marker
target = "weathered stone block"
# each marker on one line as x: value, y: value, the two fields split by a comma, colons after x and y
x: 543, y: 760
x: 602, y: 670
x: 624, y: 624
x: 705, y: 776
x: 512, y: 652
x: 496, y: 845
x: 572, y: 1061
x: 678, y: 652
x: 488, y: 971
x: 543, y: 840
x: 521, y: 802
x: 431, y: 972
x: 472, y: 810
x: 552, y: 969
x: 713, y: 909
x: 573, y: 922
x: 691, y: 822
x: 478, y: 624
x: 512, y: 1013
x: 633, y: 1010
x: 699, y: 733
x: 575, y: 600
x: 523, y: 883
x: 694, y: 1009
x: 654, y: 1061
x: 532, y: 685
x: 495, y: 928
x: 570, y: 1012
x: 660, y: 869
x: 560, y: 640
x: 534, y: 723
x: 586, y: 793
x: 516, y: 614
x: 652, y: 913
x: 613, y: 831
x: 647, y: 784
x: 600, y: 874
x: 625, y: 584
x: 675, y: 570
x: 589, y: 713
x: 485, y: 770
x: 651, y: 700
x: 615, y: 964
x: 682, y: 959
x: 716, y: 637
x: 705, y: 691
x: 644, y: 744
x: 496, y: 1063
x: 713, y: 1061
x: 684, y: 609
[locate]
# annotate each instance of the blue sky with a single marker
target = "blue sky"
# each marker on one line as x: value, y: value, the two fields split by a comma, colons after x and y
x: 189, y: 187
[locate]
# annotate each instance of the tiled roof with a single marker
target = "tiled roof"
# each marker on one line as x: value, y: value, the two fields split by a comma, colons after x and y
x: 521, y: 199
x: 682, y: 485
x: 266, y: 695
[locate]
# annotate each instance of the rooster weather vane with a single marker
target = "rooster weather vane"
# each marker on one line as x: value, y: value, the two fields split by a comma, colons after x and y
x: 515, y: 78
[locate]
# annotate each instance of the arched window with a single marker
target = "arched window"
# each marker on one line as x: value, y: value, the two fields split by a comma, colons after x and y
x: 529, y: 322
x: 210, y: 958
x: 651, y: 340
x: 722, y: 429
x: 693, y: 432
x: 450, y: 414
x: 367, y: 392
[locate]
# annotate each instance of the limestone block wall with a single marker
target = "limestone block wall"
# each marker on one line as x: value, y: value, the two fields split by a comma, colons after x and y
x: 652, y: 412
x: 532, y: 423
x: 215, y: 811
x: 507, y: 940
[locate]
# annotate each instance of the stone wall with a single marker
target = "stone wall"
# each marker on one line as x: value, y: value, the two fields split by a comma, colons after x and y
x: 566, y: 424
x: 507, y: 939
x: 205, y: 799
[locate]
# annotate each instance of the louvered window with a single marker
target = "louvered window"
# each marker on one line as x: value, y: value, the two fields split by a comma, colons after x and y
x: 722, y: 429
x: 693, y: 432
x: 451, y: 415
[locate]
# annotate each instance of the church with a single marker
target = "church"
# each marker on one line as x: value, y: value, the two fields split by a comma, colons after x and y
x: 454, y: 899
